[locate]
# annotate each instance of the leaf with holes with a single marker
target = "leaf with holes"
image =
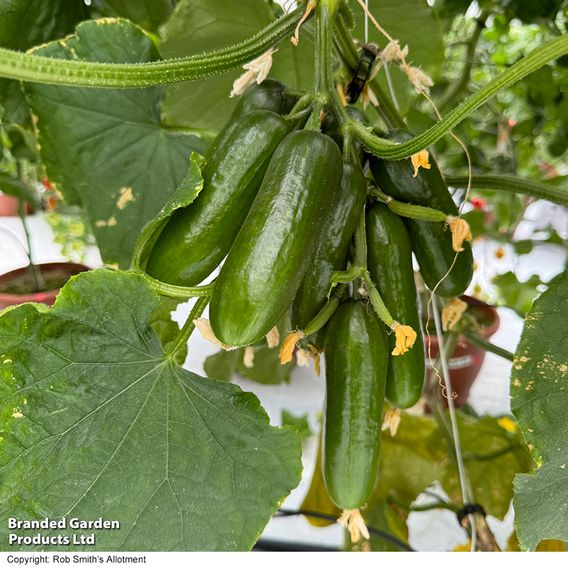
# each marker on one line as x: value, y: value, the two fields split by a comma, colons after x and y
x: 539, y: 397
x: 108, y: 148
x: 96, y: 421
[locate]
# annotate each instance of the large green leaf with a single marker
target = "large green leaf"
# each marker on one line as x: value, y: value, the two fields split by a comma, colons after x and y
x: 516, y: 294
x: 494, y: 452
x: 165, y: 327
x: 109, y: 149
x: 183, y: 196
x: 149, y: 14
x: 539, y: 398
x: 200, y: 25
x: 413, y: 23
x: 95, y: 421
x: 24, y: 23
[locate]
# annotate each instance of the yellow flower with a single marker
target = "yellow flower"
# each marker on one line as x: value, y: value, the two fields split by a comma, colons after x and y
x: 248, y: 357
x: 391, y: 421
x: 204, y: 327
x: 355, y: 524
x: 296, y: 37
x: 460, y: 232
x: 302, y: 358
x: 314, y: 354
x: 273, y: 338
x: 288, y: 345
x: 420, y: 81
x: 405, y: 338
x: 452, y: 313
x: 256, y: 71
x: 420, y: 160
x: 392, y: 52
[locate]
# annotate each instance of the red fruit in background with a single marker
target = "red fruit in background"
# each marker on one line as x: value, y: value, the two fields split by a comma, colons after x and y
x: 478, y: 203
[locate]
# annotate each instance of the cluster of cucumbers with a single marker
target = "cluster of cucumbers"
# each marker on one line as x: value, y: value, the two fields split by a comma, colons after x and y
x: 281, y: 203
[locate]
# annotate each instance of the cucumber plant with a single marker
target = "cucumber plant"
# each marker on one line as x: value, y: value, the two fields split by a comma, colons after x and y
x: 311, y: 210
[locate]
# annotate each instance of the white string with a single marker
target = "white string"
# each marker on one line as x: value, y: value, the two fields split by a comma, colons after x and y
x: 462, y: 473
x: 367, y: 22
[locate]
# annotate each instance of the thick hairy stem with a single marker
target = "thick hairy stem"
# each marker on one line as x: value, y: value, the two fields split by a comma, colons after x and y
x: 40, y: 69
x: 376, y: 301
x: 391, y: 151
x: 409, y: 210
x: 512, y: 184
x: 180, y: 292
x: 325, y: 313
x: 325, y: 15
x: 484, y: 344
x: 188, y: 327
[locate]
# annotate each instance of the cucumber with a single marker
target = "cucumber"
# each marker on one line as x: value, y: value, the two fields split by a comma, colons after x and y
x: 276, y: 242
x: 431, y: 242
x: 331, y: 127
x: 356, y: 361
x: 197, y: 238
x: 332, y: 248
x: 389, y: 253
x: 269, y: 95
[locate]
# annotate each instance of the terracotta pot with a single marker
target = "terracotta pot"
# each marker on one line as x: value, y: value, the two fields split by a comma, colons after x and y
x: 46, y: 297
x: 466, y: 361
x: 8, y: 205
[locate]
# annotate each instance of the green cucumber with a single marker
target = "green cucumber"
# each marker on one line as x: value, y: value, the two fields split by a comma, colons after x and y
x: 356, y: 362
x: 389, y: 253
x: 332, y: 248
x: 197, y: 238
x: 332, y: 128
x: 269, y: 95
x: 431, y: 241
x: 276, y: 242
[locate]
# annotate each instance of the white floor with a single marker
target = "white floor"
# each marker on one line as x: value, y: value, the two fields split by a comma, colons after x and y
x: 304, y: 394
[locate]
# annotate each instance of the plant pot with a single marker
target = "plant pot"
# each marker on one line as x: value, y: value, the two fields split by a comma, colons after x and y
x: 65, y: 269
x: 466, y: 360
x: 8, y: 205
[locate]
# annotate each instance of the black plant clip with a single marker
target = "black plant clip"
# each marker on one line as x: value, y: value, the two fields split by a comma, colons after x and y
x: 367, y: 57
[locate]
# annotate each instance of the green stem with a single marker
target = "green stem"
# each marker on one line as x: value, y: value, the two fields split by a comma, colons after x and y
x: 348, y: 53
x: 463, y: 80
x: 472, y: 456
x: 180, y: 292
x: 40, y: 69
x: 323, y: 316
x: 438, y: 504
x: 187, y: 329
x: 314, y: 121
x: 361, y: 242
x: 326, y: 12
x: 37, y: 278
x: 484, y: 344
x: 392, y: 151
x: 376, y: 300
x: 512, y: 184
x: 302, y: 104
x: 401, y: 209
x: 345, y: 276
